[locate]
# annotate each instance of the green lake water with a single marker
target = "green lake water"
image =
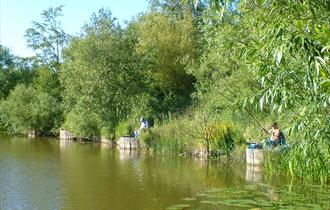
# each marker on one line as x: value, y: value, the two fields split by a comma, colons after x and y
x: 49, y: 174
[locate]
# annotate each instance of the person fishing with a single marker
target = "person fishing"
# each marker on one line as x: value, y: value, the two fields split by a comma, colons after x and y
x: 143, y: 125
x: 276, y: 135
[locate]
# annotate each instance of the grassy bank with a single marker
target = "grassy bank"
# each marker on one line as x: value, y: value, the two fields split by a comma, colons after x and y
x: 193, y: 135
x: 196, y: 134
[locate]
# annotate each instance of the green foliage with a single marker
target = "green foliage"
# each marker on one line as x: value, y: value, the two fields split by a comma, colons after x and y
x: 102, y: 69
x: 83, y: 122
x: 208, y: 72
x: 188, y: 133
x: 25, y: 109
x: 47, y: 81
x: 168, y: 44
x: 12, y: 72
x: 165, y: 139
x: 6, y: 58
x: 124, y: 128
x: 276, y: 69
x: 291, y: 61
x: 307, y: 160
x: 149, y: 138
x: 47, y: 38
x: 108, y: 132
x: 222, y: 140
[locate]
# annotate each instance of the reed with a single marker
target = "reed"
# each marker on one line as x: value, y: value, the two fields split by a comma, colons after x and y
x: 187, y: 134
x: 305, y: 160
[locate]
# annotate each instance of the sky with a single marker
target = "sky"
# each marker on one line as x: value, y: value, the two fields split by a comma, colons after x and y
x: 17, y: 15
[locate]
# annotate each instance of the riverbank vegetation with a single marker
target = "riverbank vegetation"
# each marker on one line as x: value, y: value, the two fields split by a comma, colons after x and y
x: 203, y: 71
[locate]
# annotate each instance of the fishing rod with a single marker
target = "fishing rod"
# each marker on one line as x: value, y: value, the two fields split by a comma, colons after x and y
x: 247, y: 110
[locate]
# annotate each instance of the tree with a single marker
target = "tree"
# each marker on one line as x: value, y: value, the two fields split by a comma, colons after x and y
x: 168, y: 45
x: 6, y: 63
x: 47, y: 38
x: 47, y: 81
x: 287, y: 52
x: 100, y: 74
x: 6, y: 58
x: 25, y: 110
x: 13, y: 71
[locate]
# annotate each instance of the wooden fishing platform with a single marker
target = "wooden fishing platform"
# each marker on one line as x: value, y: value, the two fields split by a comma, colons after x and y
x: 128, y: 142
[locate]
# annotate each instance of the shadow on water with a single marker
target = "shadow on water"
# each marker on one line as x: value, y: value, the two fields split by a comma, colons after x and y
x: 52, y: 174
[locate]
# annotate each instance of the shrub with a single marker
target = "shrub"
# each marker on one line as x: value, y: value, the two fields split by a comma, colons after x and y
x: 149, y: 138
x: 108, y: 132
x: 222, y: 139
x: 124, y: 128
x: 83, y: 122
x: 26, y: 109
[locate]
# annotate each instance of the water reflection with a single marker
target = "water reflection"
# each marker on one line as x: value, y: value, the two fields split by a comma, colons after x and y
x: 65, y: 143
x: 51, y: 174
x: 126, y: 154
x: 253, y: 173
x: 106, y: 145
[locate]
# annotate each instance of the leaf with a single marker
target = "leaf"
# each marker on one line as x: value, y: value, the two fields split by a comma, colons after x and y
x: 278, y: 57
x: 262, y: 82
x: 290, y: 168
x: 206, y: 202
x: 244, y: 103
x: 326, y: 48
x: 261, y: 103
x: 325, y: 85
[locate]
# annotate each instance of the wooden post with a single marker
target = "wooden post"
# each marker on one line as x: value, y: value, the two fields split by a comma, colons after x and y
x: 254, y: 156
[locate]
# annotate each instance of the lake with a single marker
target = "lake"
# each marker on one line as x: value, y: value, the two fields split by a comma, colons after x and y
x: 53, y: 174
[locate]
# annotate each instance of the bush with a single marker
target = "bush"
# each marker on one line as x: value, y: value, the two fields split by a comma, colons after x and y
x: 149, y: 138
x: 124, y: 128
x: 108, y: 132
x: 167, y: 137
x: 26, y: 109
x: 187, y: 133
x: 222, y: 139
x: 83, y: 122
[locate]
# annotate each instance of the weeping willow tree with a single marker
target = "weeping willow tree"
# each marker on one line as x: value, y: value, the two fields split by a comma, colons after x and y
x: 287, y: 51
x: 289, y: 54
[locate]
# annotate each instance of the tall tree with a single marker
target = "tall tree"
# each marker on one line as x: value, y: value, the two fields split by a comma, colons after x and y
x: 287, y: 52
x: 168, y: 44
x: 47, y: 37
x: 100, y: 75
x: 6, y: 58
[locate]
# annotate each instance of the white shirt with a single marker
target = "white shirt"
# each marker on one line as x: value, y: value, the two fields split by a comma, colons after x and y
x: 144, y: 124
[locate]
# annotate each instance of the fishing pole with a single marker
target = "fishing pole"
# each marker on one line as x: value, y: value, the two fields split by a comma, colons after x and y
x: 247, y: 110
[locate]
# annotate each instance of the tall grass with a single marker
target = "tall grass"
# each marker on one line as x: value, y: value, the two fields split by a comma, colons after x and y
x: 305, y: 160
x: 168, y: 137
x: 190, y: 134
